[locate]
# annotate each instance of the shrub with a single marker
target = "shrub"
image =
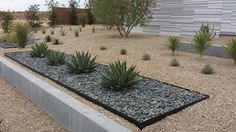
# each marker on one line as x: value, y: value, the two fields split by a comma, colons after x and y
x: 81, y: 63
x: 209, y: 32
x: 9, y: 37
x: 63, y: 33
x: 70, y: 28
x: 76, y: 33
x: 82, y: 19
x: 174, y: 43
x: 93, y: 29
x: 48, y: 38
x: 55, y: 58
x: 43, y: 31
x: 230, y: 48
x: 39, y: 50
x: 123, y: 51
x: 80, y: 29
x: 22, y: 33
x: 174, y: 62
x: 56, y: 41
x: 208, y: 69
x: 52, y: 32
x: 146, y: 57
x: 201, y: 42
x: 103, y: 48
x: 7, y: 20
x: 119, y: 76
x: 33, y: 15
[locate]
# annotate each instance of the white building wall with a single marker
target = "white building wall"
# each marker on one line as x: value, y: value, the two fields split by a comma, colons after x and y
x: 184, y: 17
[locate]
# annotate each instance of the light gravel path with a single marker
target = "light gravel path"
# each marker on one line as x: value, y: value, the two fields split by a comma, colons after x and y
x: 20, y: 115
x: 217, y: 114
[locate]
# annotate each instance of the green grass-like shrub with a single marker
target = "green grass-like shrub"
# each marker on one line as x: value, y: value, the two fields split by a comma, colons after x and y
x: 208, y: 31
x: 55, y: 58
x: 146, y: 57
x: 81, y: 62
x: 52, y: 32
x: 174, y: 43
x: 76, y: 33
x: 43, y: 30
x: 56, y: 41
x: 207, y: 69
x: 119, y: 76
x: 230, y: 48
x: 48, y: 38
x: 174, y: 62
x: 123, y: 52
x: 201, y: 43
x: 103, y: 48
x: 63, y: 33
x: 22, y: 33
x: 39, y: 50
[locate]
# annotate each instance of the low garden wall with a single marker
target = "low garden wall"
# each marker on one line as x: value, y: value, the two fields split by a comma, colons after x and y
x: 72, y: 114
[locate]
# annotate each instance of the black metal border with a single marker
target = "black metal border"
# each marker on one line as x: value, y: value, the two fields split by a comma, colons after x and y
x: 138, y: 124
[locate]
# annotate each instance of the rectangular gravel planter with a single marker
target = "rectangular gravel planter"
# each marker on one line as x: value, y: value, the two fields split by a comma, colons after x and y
x: 150, y: 101
x: 72, y: 114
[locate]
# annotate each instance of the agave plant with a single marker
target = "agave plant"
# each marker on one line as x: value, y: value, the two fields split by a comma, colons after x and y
x: 119, y: 76
x: 230, y: 48
x: 174, y: 43
x: 39, y: 50
x: 81, y: 63
x: 209, y: 32
x: 55, y: 58
x: 201, y: 42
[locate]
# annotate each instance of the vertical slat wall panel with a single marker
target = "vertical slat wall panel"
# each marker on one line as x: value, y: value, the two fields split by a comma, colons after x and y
x: 184, y: 17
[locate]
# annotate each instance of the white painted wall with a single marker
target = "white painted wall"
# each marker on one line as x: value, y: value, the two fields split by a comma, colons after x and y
x: 184, y: 17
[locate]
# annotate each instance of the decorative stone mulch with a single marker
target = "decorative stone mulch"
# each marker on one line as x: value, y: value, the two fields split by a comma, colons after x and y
x: 150, y: 100
x: 7, y: 45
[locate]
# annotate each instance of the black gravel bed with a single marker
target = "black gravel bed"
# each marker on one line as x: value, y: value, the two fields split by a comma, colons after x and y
x: 150, y: 101
x: 6, y: 45
x: 216, y: 51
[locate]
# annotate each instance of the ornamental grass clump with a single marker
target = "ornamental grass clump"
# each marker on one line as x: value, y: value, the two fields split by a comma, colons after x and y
x: 208, y: 69
x: 174, y: 43
x: 103, y: 48
x: 76, y: 33
x: 174, y: 62
x: 55, y: 58
x: 81, y: 62
x: 63, y: 32
x: 230, y: 48
x: 146, y: 57
x: 48, y: 38
x: 201, y: 42
x: 119, y: 76
x: 56, y: 41
x: 39, y: 50
x: 52, y: 32
x: 22, y: 33
x: 43, y: 31
x: 123, y: 52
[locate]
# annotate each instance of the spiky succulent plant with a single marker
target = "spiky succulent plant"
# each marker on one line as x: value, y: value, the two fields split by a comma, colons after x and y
x: 119, y: 76
x: 39, y: 50
x: 81, y: 62
x: 230, y: 48
x: 174, y: 43
x: 55, y: 58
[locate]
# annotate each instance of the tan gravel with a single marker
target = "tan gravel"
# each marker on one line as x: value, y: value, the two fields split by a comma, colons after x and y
x: 216, y: 114
x: 20, y: 115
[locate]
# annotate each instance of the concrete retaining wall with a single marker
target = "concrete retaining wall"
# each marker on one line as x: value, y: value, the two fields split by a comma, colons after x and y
x: 72, y: 114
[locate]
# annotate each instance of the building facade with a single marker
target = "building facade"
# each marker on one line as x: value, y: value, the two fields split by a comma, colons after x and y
x: 184, y: 17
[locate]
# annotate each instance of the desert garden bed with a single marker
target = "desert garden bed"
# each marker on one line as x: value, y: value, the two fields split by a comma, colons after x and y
x: 150, y: 101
